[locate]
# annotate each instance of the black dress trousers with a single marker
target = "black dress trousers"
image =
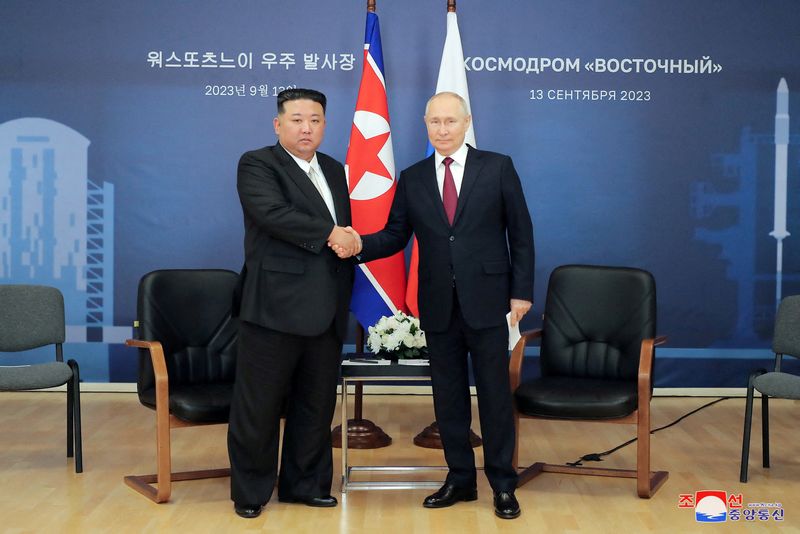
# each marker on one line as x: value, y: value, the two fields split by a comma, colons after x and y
x: 488, y: 350
x: 274, y: 368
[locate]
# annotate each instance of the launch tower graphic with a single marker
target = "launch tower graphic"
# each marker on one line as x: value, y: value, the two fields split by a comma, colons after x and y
x: 744, y: 242
x: 57, y: 225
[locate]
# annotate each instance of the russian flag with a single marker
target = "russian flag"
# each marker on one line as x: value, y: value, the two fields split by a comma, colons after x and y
x: 379, y: 285
x: 453, y: 78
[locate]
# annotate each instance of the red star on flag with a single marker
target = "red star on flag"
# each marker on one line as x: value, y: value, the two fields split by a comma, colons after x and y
x: 364, y: 157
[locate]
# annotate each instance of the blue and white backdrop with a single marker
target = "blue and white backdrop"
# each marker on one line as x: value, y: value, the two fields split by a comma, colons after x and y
x: 651, y: 134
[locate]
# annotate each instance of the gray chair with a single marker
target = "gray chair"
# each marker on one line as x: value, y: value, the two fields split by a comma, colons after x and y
x: 32, y: 317
x: 785, y: 341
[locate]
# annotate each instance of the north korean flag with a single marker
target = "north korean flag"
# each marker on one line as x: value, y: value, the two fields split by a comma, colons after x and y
x: 379, y: 285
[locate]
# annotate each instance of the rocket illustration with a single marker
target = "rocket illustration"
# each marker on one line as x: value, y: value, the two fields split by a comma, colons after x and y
x: 781, y: 164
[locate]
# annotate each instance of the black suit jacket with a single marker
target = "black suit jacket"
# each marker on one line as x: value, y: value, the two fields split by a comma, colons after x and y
x: 488, y: 252
x: 291, y: 281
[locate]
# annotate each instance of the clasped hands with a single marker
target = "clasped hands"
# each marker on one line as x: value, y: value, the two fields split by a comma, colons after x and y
x: 344, y: 241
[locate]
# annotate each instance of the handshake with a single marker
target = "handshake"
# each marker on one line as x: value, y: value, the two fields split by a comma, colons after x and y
x: 344, y: 241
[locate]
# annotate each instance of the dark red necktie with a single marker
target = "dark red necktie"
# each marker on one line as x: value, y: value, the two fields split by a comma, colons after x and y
x: 449, y: 194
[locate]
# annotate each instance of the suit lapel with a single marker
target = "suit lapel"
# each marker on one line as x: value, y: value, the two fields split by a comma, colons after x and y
x: 472, y: 170
x: 341, y: 197
x: 432, y: 189
x: 302, y: 181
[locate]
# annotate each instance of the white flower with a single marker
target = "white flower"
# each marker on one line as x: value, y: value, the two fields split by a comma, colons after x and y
x: 398, y: 332
x: 409, y: 341
x: 374, y: 340
x: 418, y: 341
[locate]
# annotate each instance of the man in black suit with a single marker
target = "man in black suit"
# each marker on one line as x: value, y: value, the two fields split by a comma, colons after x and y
x: 293, y: 298
x: 476, y: 256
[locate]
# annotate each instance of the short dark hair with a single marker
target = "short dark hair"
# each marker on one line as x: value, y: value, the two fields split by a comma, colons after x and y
x: 301, y: 94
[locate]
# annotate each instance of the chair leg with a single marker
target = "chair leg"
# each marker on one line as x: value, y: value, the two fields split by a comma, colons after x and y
x: 765, y: 429
x: 748, y: 420
x: 75, y: 396
x: 163, y: 456
x: 70, y: 420
x: 164, y: 476
x: 643, y: 452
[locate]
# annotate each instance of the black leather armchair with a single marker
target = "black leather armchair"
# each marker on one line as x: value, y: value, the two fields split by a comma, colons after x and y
x: 187, y: 361
x: 597, y: 350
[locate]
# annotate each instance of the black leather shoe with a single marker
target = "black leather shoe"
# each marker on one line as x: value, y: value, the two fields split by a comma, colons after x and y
x: 448, y: 495
x: 506, y: 505
x: 326, y: 501
x: 248, y: 511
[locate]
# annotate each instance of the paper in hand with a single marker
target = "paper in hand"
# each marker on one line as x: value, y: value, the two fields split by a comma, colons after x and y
x: 513, y: 332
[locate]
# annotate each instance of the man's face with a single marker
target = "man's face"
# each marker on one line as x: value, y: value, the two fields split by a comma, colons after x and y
x: 301, y: 127
x: 447, y: 124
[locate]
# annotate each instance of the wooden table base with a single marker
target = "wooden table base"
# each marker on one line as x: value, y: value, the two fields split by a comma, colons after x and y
x: 361, y: 434
x: 431, y: 439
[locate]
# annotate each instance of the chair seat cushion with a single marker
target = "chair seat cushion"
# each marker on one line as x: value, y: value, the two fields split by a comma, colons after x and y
x: 197, y: 403
x: 576, y: 398
x: 784, y: 385
x: 38, y: 376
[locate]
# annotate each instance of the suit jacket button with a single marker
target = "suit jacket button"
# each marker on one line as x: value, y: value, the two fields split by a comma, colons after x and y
x: 452, y: 238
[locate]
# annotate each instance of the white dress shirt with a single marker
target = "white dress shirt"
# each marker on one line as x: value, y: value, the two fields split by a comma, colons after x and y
x: 321, y: 184
x: 457, y: 167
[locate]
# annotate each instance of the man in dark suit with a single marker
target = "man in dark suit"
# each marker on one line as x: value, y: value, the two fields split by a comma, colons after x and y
x: 476, y: 256
x: 293, y: 298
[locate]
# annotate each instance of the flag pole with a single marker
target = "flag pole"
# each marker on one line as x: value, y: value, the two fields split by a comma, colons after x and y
x: 361, y: 433
x: 358, y: 398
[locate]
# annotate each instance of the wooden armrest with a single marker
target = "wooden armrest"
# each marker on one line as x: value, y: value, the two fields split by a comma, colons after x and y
x: 141, y: 343
x: 156, y: 355
x: 645, y: 376
x: 159, y: 369
x: 515, y: 363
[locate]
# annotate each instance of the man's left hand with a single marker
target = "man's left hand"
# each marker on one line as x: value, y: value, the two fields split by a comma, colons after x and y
x: 519, y: 308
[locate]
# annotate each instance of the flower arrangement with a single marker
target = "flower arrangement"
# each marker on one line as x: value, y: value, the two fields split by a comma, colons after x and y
x: 398, y: 335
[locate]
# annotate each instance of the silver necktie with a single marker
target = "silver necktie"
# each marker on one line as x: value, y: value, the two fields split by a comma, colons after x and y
x: 326, y: 196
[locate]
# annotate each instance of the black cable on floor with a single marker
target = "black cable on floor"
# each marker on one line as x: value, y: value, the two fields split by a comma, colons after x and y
x: 598, y: 456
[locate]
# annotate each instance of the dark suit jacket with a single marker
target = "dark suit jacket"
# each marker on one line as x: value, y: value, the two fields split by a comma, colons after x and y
x: 488, y: 251
x: 291, y: 281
